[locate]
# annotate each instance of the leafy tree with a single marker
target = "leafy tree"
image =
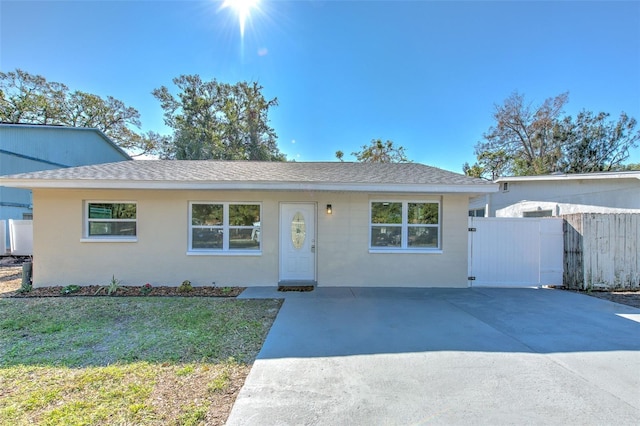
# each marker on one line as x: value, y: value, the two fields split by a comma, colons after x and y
x: 244, y: 214
x: 593, y: 144
x: 378, y: 152
x: 476, y: 170
x: 386, y: 213
x: 490, y: 165
x: 529, y: 140
x: 630, y: 167
x: 28, y: 98
x: 214, y: 120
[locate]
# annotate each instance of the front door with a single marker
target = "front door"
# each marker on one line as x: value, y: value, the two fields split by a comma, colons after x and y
x: 298, y: 242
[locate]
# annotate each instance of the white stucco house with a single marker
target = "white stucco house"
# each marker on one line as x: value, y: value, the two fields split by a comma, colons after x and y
x: 31, y: 147
x: 251, y: 223
x: 559, y: 194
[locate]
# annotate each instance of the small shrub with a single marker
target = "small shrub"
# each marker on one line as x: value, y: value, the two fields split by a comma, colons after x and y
x: 70, y: 289
x: 110, y: 288
x: 26, y: 287
x: 192, y: 415
x: 220, y: 383
x: 146, y: 289
x: 185, y: 371
x: 226, y: 290
x: 185, y: 287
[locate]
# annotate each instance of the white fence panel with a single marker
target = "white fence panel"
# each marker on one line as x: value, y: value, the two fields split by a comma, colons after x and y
x: 21, y: 237
x: 3, y: 236
x: 515, y: 252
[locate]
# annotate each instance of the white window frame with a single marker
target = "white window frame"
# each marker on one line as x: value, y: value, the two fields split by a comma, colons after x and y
x: 226, y: 228
x: 404, y: 248
x: 107, y: 238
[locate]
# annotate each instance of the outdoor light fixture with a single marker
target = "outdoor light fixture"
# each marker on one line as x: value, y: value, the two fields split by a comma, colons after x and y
x: 329, y: 209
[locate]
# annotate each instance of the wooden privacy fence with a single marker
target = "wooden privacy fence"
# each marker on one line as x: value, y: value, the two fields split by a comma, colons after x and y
x: 601, y: 251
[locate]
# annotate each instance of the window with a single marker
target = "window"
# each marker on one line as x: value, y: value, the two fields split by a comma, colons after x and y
x: 476, y: 212
x: 538, y: 213
x: 505, y: 187
x: 111, y: 220
x: 224, y: 227
x: 404, y: 225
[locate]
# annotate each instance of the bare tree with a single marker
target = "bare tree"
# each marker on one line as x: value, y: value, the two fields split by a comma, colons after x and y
x: 522, y: 140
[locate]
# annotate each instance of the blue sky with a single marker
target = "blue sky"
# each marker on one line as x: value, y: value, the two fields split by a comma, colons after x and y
x: 424, y: 74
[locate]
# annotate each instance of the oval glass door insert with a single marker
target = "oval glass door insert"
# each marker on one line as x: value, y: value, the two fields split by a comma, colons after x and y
x: 298, y: 230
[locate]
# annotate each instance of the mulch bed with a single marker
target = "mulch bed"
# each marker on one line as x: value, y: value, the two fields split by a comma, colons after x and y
x: 630, y: 298
x: 129, y: 291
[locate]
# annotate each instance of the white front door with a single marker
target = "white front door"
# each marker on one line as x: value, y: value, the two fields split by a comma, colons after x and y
x: 298, y: 242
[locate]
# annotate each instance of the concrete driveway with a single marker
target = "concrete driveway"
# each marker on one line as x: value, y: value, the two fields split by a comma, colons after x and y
x: 363, y: 356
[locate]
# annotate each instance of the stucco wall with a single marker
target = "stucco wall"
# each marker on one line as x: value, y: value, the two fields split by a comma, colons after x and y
x: 614, y: 193
x: 160, y: 254
x: 556, y: 209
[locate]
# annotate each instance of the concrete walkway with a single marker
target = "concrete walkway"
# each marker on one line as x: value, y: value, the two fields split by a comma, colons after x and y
x: 363, y: 356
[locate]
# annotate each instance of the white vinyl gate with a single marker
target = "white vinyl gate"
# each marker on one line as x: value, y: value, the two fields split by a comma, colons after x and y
x: 515, y: 252
x: 21, y: 237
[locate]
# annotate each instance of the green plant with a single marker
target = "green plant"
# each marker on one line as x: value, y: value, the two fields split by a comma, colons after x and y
x: 193, y: 414
x: 226, y: 290
x: 72, y: 288
x: 146, y: 289
x: 220, y: 383
x: 110, y: 288
x: 185, y: 371
x: 26, y: 287
x: 185, y: 287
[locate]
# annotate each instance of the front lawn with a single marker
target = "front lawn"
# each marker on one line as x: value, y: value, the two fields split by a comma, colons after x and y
x: 127, y: 360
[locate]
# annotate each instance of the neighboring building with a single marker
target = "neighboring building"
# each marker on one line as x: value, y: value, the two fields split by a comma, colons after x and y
x: 559, y: 194
x: 251, y: 223
x: 28, y: 148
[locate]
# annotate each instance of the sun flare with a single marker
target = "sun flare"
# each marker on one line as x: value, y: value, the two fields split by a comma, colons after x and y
x: 242, y: 8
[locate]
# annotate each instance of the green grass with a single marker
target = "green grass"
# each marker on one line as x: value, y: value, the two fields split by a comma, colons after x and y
x: 77, y: 332
x: 124, y: 360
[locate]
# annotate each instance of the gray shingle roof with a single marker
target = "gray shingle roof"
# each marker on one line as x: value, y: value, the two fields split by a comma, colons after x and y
x: 173, y: 173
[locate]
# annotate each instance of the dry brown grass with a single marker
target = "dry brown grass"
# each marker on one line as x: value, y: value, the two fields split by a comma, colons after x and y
x: 138, y: 393
x: 10, y: 278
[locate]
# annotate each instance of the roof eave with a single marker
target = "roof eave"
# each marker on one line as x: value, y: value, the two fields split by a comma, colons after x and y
x: 595, y: 176
x: 246, y: 186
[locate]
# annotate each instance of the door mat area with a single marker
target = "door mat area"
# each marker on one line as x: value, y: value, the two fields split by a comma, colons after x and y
x: 295, y: 288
